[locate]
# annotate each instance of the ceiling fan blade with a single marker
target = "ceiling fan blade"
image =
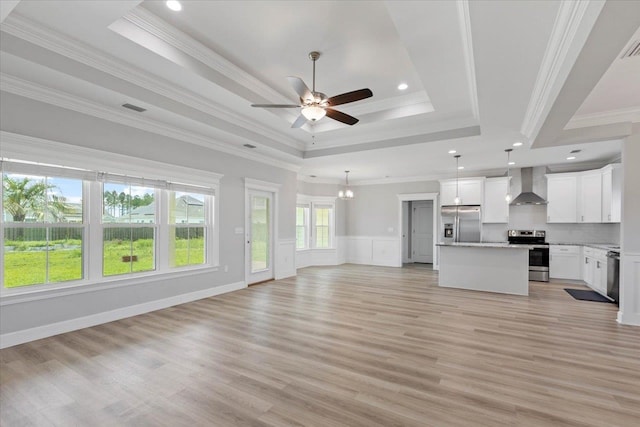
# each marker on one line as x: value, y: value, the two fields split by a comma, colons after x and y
x: 300, y: 87
x: 300, y: 121
x: 275, y: 105
x: 341, y: 117
x: 354, y: 96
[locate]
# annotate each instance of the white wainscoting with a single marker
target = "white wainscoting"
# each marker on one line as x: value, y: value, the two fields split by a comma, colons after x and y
x: 629, y: 313
x: 285, y: 265
x: 368, y: 250
x: 374, y: 250
x: 309, y: 257
x: 19, y: 337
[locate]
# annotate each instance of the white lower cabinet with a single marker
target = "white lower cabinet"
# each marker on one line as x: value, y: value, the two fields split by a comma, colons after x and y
x: 565, y: 262
x: 594, y: 268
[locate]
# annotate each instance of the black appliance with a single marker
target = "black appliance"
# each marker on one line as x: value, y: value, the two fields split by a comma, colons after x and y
x: 613, y: 275
x: 538, y: 254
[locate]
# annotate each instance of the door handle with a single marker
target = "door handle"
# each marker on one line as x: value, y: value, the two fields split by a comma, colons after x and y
x: 597, y: 264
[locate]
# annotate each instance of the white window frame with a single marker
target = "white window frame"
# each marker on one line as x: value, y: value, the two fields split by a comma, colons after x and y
x: 42, y: 154
x: 319, y: 202
x: 306, y: 225
x: 46, y: 173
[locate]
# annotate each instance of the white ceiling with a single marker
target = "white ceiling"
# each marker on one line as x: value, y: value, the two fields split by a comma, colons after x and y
x: 619, y: 88
x: 471, y: 68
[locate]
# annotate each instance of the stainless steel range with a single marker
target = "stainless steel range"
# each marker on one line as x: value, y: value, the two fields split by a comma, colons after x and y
x: 538, y: 254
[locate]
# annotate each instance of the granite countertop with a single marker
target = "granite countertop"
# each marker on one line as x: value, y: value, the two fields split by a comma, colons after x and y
x: 488, y: 245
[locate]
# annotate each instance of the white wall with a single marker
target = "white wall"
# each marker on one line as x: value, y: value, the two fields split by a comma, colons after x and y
x: 22, y: 116
x: 630, y: 244
x: 374, y: 210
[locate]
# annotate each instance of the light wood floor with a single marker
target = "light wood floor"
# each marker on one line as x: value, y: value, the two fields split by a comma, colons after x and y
x: 336, y: 346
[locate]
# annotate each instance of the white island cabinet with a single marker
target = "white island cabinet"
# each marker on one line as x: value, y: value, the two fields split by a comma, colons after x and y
x: 489, y: 267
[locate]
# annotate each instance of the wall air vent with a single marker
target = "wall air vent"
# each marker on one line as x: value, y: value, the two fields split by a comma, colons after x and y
x: 249, y: 146
x: 134, y: 108
x: 634, y: 50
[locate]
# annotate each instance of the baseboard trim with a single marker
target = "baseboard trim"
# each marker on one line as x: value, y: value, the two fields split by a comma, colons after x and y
x: 11, y: 339
x: 633, y: 319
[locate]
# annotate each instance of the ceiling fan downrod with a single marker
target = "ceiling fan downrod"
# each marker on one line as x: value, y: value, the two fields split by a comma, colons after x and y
x: 314, y: 57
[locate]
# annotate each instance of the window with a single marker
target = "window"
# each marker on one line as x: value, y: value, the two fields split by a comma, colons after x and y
x: 302, y: 227
x: 69, y: 226
x: 323, y: 220
x: 43, y: 229
x: 128, y: 235
x: 187, y: 224
x: 315, y: 223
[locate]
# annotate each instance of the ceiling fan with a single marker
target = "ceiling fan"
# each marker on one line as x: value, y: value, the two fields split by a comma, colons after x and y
x: 315, y: 105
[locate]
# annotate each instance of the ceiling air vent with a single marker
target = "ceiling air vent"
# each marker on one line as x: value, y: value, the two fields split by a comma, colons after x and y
x: 634, y: 50
x: 249, y: 146
x: 134, y: 108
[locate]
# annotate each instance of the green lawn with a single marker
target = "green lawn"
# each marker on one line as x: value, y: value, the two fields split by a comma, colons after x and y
x: 23, y: 266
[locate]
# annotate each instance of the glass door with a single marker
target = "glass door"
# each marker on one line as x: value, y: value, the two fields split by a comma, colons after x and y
x: 259, y: 236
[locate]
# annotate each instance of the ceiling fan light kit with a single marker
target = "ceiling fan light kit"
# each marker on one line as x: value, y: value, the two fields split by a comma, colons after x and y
x: 316, y: 105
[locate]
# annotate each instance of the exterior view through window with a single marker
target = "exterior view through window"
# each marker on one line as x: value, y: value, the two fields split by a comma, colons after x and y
x: 187, y: 222
x: 43, y: 226
x: 128, y: 217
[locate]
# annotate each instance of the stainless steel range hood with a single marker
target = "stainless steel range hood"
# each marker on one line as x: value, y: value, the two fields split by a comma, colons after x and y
x: 527, y: 196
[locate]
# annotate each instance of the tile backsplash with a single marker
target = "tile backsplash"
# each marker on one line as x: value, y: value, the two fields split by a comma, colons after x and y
x: 534, y: 217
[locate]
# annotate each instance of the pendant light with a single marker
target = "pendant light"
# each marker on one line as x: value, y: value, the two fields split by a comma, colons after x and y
x: 508, y: 196
x: 457, y: 199
x: 346, y: 194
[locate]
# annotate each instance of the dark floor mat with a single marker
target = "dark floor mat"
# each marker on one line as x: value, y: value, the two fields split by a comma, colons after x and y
x: 583, y: 295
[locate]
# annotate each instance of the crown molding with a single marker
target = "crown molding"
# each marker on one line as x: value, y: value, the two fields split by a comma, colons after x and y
x: 467, y: 44
x: 24, y: 88
x: 604, y: 118
x: 49, y: 39
x: 568, y: 36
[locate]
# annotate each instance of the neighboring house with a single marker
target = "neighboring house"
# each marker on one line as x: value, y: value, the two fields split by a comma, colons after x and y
x: 188, y: 209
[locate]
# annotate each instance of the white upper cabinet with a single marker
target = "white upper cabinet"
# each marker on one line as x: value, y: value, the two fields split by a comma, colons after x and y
x: 495, y: 208
x: 590, y: 200
x: 562, y: 195
x: 591, y: 196
x: 611, y: 193
x: 469, y: 190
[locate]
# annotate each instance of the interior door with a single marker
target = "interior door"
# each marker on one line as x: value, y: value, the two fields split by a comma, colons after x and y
x: 259, y: 236
x: 422, y: 235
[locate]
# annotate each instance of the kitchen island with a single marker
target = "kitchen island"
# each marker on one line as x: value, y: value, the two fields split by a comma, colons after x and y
x: 489, y: 267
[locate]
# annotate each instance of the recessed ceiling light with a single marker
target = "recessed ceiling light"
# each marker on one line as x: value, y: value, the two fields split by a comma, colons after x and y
x: 512, y: 163
x: 460, y: 167
x: 249, y: 146
x: 517, y: 144
x: 452, y: 151
x: 312, y: 176
x: 571, y: 158
x: 174, y: 5
x: 403, y: 86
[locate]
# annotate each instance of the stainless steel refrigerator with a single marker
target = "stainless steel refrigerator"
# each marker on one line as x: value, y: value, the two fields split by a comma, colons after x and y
x: 460, y: 224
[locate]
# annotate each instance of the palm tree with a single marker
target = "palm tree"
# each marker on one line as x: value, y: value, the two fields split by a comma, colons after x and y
x: 24, y: 198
